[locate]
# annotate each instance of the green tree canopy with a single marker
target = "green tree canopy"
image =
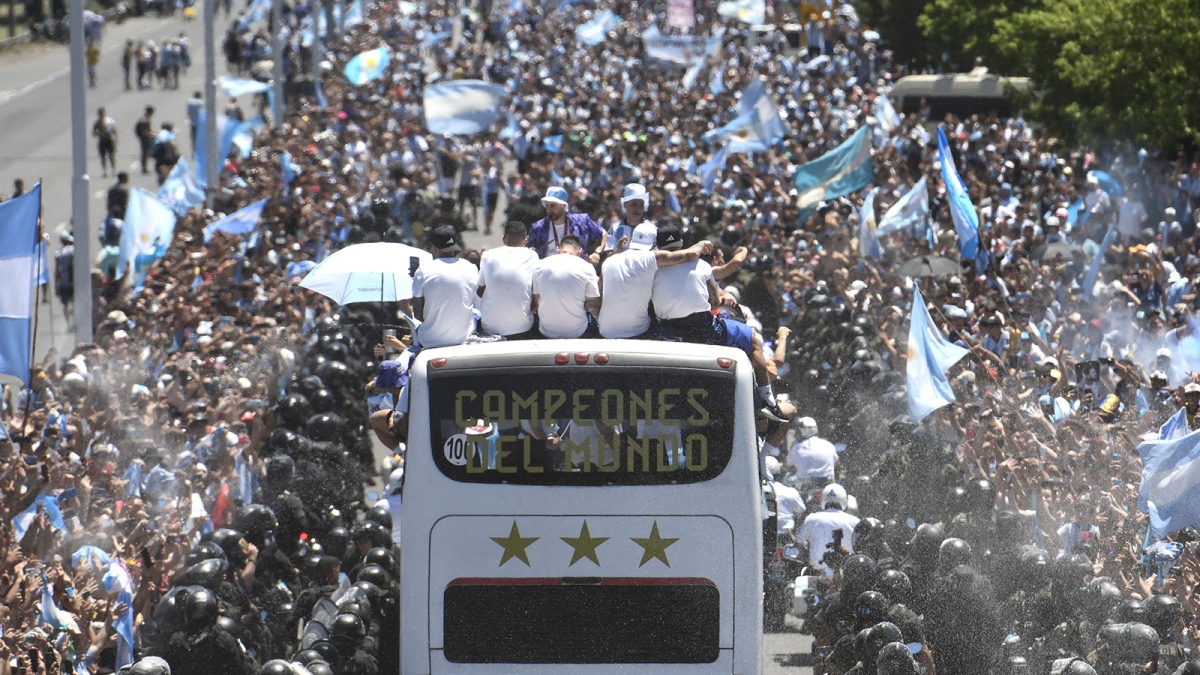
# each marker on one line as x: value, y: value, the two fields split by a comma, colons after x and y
x: 1110, y: 69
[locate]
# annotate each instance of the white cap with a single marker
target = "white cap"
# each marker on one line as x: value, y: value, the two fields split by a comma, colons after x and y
x: 635, y: 191
x: 644, y: 237
x: 1163, y: 352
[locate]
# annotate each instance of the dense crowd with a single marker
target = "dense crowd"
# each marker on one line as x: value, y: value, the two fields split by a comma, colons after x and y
x: 190, y: 486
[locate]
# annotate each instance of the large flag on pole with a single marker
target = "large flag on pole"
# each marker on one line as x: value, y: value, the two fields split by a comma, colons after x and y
x: 18, y: 279
x: 966, y: 221
x: 868, y: 241
x: 149, y: 228
x: 462, y: 107
x: 930, y: 355
x: 845, y: 169
x: 1170, y: 489
x: 909, y: 211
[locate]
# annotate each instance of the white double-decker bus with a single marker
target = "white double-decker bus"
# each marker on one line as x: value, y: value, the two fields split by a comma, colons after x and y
x: 581, y: 506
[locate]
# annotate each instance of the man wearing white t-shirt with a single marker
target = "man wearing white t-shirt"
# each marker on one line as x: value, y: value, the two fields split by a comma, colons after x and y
x: 506, y: 284
x: 628, y: 281
x: 565, y: 291
x: 444, y: 293
x: 635, y: 202
x: 684, y: 295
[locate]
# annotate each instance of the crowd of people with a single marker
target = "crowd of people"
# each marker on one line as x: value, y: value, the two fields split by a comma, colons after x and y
x: 189, y: 489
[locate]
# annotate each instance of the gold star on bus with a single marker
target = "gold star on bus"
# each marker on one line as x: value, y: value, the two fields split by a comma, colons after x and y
x: 585, y: 545
x: 514, y: 546
x: 654, y: 546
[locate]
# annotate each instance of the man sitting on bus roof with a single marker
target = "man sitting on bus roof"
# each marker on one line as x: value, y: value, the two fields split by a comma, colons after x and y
x: 566, y: 292
x: 506, y: 283
x: 627, y: 280
x: 444, y: 293
x: 684, y: 296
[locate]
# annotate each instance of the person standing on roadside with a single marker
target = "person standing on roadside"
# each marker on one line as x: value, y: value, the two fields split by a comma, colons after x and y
x: 194, y: 105
x: 105, y: 131
x: 127, y: 60
x: 91, y: 57
x: 118, y: 196
x: 144, y: 130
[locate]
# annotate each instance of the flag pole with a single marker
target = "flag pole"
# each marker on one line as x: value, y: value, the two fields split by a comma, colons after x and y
x: 33, y: 319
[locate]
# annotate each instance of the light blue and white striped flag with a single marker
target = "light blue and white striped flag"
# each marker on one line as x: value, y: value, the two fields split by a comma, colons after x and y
x: 237, y: 86
x: 845, y: 169
x: 908, y: 212
x: 462, y: 107
x: 116, y: 582
x: 18, y: 276
x: 1174, y: 428
x: 708, y: 170
x: 256, y: 12
x: 51, y: 614
x: 149, y: 228
x: 966, y: 220
x: 593, y: 32
x: 758, y: 124
x: 868, y: 241
x: 553, y: 144
x: 1170, y: 489
x: 182, y: 190
x: 930, y: 355
x: 1093, y: 271
x: 885, y: 114
x: 22, y: 521
x: 227, y: 128
x: 237, y: 223
x: 367, y: 66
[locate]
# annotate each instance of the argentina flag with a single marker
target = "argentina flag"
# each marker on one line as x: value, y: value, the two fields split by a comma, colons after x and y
x: 845, y: 169
x: 18, y: 274
x: 462, y: 107
x: 909, y: 211
x: 182, y: 190
x: 930, y: 355
x: 367, y: 66
x: 238, y: 223
x: 149, y: 228
x: 966, y: 221
x: 1170, y: 489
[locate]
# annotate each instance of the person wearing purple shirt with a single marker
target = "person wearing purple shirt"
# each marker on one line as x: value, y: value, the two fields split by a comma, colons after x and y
x: 545, y: 234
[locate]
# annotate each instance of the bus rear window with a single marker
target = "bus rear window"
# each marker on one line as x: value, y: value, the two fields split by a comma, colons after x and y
x: 571, y: 427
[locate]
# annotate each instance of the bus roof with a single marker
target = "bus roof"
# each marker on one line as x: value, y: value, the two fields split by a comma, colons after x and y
x: 511, y: 353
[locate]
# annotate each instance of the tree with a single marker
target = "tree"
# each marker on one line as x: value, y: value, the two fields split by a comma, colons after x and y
x: 957, y: 32
x: 896, y: 21
x: 1106, y: 70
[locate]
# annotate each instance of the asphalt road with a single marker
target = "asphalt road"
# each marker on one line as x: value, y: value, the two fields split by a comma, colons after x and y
x: 35, y: 131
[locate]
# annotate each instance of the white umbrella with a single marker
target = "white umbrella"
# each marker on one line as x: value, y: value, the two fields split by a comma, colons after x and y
x: 378, y: 272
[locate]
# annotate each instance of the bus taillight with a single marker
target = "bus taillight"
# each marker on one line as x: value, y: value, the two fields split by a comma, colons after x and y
x: 600, y: 359
x: 582, y: 357
x: 562, y: 358
x: 724, y: 362
x: 437, y: 363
